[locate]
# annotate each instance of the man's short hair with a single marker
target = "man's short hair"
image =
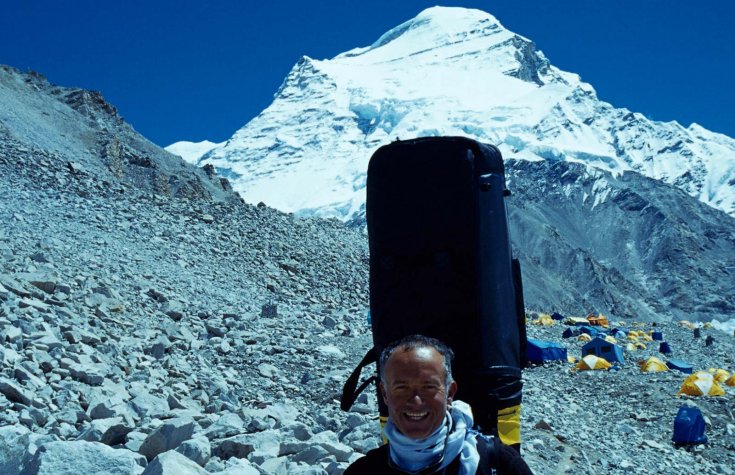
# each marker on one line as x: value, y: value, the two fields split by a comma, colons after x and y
x: 412, y: 342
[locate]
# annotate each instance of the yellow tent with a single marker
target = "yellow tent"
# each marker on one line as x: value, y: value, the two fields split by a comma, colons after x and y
x: 544, y: 320
x: 610, y: 339
x: 647, y: 338
x: 686, y: 324
x: 584, y: 337
x: 576, y: 321
x: 640, y: 346
x: 653, y: 365
x: 701, y: 383
x: 632, y: 336
x: 591, y: 362
x: 731, y: 380
x: 630, y: 347
x: 719, y: 374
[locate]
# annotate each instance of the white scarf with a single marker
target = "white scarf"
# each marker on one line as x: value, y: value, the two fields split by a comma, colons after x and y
x: 453, y: 438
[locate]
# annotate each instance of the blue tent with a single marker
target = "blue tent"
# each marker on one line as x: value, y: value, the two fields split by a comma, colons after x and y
x: 557, y: 316
x: 603, y: 349
x: 618, y: 331
x: 664, y: 348
x: 591, y: 331
x: 689, y: 427
x: 680, y: 365
x: 541, y: 351
x: 657, y: 336
x: 570, y: 332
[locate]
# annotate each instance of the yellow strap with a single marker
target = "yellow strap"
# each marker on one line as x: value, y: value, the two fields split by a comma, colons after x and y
x: 509, y: 425
x: 383, y: 422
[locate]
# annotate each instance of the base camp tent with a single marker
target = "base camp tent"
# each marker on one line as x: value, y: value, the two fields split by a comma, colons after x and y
x: 680, y: 365
x: 600, y: 347
x: 653, y: 365
x: 592, y: 362
x: 701, y: 383
x: 719, y: 374
x: 540, y: 351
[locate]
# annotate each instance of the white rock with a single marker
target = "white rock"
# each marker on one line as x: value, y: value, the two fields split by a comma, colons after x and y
x: 173, y: 463
x: 239, y: 467
x: 198, y: 449
x: 13, y: 441
x: 167, y: 436
x: 88, y: 458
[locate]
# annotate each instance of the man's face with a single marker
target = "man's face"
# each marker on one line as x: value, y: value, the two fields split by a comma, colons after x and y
x: 415, y: 391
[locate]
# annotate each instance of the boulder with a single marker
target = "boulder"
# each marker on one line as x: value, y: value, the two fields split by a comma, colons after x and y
x: 167, y: 436
x: 89, y: 458
x: 198, y: 449
x: 173, y: 463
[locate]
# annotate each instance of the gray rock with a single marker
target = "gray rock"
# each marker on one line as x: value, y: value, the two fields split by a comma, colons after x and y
x: 173, y: 463
x: 198, y: 449
x: 263, y: 444
x: 147, y: 405
x: 93, y: 458
x: 13, y: 454
x: 235, y: 466
x: 167, y: 436
x: 15, y: 392
x: 227, y: 425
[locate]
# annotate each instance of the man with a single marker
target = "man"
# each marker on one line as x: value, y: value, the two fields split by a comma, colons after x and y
x: 427, y: 430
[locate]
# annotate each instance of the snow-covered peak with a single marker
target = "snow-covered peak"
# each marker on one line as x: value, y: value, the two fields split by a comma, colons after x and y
x: 192, y: 151
x: 451, y: 71
x: 431, y: 30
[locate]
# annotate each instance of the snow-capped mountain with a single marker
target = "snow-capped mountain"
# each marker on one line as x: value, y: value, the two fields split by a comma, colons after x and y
x: 192, y: 151
x: 451, y: 71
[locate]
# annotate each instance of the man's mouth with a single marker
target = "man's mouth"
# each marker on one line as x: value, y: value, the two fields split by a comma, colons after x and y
x: 415, y: 416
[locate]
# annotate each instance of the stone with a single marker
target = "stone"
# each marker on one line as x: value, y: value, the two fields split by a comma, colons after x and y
x: 227, y: 425
x: 89, y: 458
x: 14, y: 392
x: 235, y: 466
x: 198, y: 449
x: 13, y: 453
x: 88, y: 374
x: 173, y: 463
x: 266, y: 444
x: 147, y: 405
x: 167, y: 437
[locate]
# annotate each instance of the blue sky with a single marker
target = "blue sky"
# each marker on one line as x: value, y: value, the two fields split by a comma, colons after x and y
x: 195, y: 70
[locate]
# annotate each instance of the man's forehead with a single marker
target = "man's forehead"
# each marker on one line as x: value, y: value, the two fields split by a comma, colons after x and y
x: 418, y: 356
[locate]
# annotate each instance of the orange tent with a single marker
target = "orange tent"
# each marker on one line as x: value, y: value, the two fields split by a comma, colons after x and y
x: 597, y: 320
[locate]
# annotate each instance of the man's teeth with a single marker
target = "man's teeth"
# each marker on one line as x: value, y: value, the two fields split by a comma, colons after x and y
x: 416, y: 415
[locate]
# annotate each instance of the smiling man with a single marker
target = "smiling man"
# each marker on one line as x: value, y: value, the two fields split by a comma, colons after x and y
x: 427, y: 430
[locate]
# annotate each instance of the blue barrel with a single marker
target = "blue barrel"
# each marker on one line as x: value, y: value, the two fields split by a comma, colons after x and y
x: 664, y: 348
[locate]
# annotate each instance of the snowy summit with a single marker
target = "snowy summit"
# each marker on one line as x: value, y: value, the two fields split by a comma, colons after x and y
x: 451, y: 71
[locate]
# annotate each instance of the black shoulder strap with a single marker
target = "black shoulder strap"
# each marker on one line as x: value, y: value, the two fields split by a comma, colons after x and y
x: 350, y: 391
x: 489, y: 450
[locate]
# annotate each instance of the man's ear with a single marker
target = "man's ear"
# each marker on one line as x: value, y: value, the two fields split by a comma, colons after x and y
x: 451, y: 391
x: 383, y: 392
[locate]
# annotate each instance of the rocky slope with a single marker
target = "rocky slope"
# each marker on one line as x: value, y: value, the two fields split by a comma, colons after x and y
x: 82, y: 128
x: 143, y: 333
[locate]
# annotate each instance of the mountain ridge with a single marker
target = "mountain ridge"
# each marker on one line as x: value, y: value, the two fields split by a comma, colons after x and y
x: 342, y: 109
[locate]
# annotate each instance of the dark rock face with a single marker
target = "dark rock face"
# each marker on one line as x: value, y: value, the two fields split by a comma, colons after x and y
x: 629, y: 244
x: 81, y: 127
